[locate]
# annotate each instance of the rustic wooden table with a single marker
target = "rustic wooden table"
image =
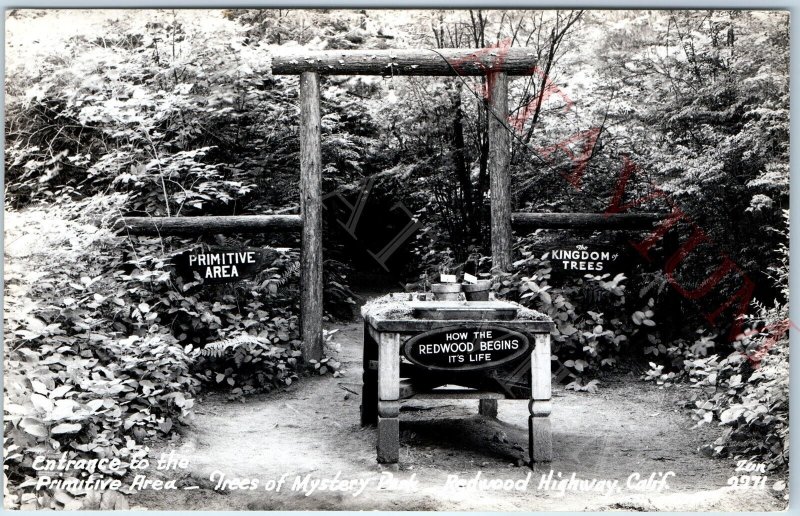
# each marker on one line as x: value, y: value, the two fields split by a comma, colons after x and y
x: 391, y: 374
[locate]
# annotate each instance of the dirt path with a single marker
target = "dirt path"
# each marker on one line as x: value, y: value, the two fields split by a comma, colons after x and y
x: 313, y: 429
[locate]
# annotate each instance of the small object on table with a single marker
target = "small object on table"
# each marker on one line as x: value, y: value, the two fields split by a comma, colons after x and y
x: 446, y: 291
x: 448, y: 278
x: 478, y: 291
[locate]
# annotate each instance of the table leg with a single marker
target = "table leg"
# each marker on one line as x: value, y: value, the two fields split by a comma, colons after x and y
x: 487, y: 408
x: 540, y: 434
x: 388, y: 431
x: 369, y: 391
x: 388, y: 398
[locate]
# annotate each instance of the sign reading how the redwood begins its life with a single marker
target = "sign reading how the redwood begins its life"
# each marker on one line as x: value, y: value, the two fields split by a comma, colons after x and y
x: 219, y: 265
x: 464, y: 348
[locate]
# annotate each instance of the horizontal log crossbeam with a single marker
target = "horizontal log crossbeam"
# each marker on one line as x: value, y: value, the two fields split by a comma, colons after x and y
x: 224, y: 224
x: 441, y: 62
x: 589, y: 221
x: 209, y: 225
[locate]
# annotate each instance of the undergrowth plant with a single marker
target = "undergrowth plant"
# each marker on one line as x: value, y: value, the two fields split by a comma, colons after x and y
x: 747, y: 391
x: 106, y: 348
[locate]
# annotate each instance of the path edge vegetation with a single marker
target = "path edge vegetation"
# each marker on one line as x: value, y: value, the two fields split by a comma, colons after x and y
x: 106, y: 350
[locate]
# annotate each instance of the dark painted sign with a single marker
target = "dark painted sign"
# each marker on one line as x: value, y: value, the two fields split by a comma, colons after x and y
x: 220, y: 265
x: 581, y: 259
x: 466, y: 348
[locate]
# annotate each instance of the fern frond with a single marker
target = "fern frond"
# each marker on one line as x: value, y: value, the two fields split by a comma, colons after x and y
x: 220, y: 347
x: 292, y: 270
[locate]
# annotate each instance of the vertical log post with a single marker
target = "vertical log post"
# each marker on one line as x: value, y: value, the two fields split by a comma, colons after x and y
x: 500, y: 184
x: 311, y: 210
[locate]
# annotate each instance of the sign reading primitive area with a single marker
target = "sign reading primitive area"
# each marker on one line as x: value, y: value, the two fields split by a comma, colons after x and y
x: 220, y: 264
x: 465, y: 348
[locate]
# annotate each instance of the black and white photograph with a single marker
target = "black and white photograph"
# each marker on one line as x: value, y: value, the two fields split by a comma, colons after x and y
x: 263, y: 259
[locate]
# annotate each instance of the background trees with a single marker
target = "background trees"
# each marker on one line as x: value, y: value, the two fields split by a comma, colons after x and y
x: 178, y: 113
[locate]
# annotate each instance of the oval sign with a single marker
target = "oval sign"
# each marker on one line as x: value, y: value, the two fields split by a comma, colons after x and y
x: 465, y: 348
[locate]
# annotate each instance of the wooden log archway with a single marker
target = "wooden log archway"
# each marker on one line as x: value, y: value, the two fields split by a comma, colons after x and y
x: 497, y: 64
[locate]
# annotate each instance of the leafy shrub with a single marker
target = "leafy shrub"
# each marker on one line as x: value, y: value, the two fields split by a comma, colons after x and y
x: 105, y: 345
x: 592, y: 328
x: 751, y: 402
x: 246, y: 364
x: 112, y: 110
x: 337, y: 296
x: 89, y: 369
x: 747, y: 391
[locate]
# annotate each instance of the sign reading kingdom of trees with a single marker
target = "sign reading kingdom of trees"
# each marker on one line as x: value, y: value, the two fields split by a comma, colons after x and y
x: 220, y: 265
x: 465, y: 348
x: 585, y: 259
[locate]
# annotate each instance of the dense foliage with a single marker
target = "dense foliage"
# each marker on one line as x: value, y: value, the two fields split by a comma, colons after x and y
x: 104, y: 351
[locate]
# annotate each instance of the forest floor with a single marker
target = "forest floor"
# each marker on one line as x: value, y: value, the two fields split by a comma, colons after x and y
x: 312, y: 428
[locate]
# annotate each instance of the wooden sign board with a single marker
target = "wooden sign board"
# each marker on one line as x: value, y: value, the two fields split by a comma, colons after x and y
x: 466, y: 348
x: 220, y: 265
x: 581, y: 259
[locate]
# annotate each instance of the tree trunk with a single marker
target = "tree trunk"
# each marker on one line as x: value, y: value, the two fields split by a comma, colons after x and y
x: 462, y: 168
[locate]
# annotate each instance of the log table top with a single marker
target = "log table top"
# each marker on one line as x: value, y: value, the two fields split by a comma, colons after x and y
x: 393, y: 313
